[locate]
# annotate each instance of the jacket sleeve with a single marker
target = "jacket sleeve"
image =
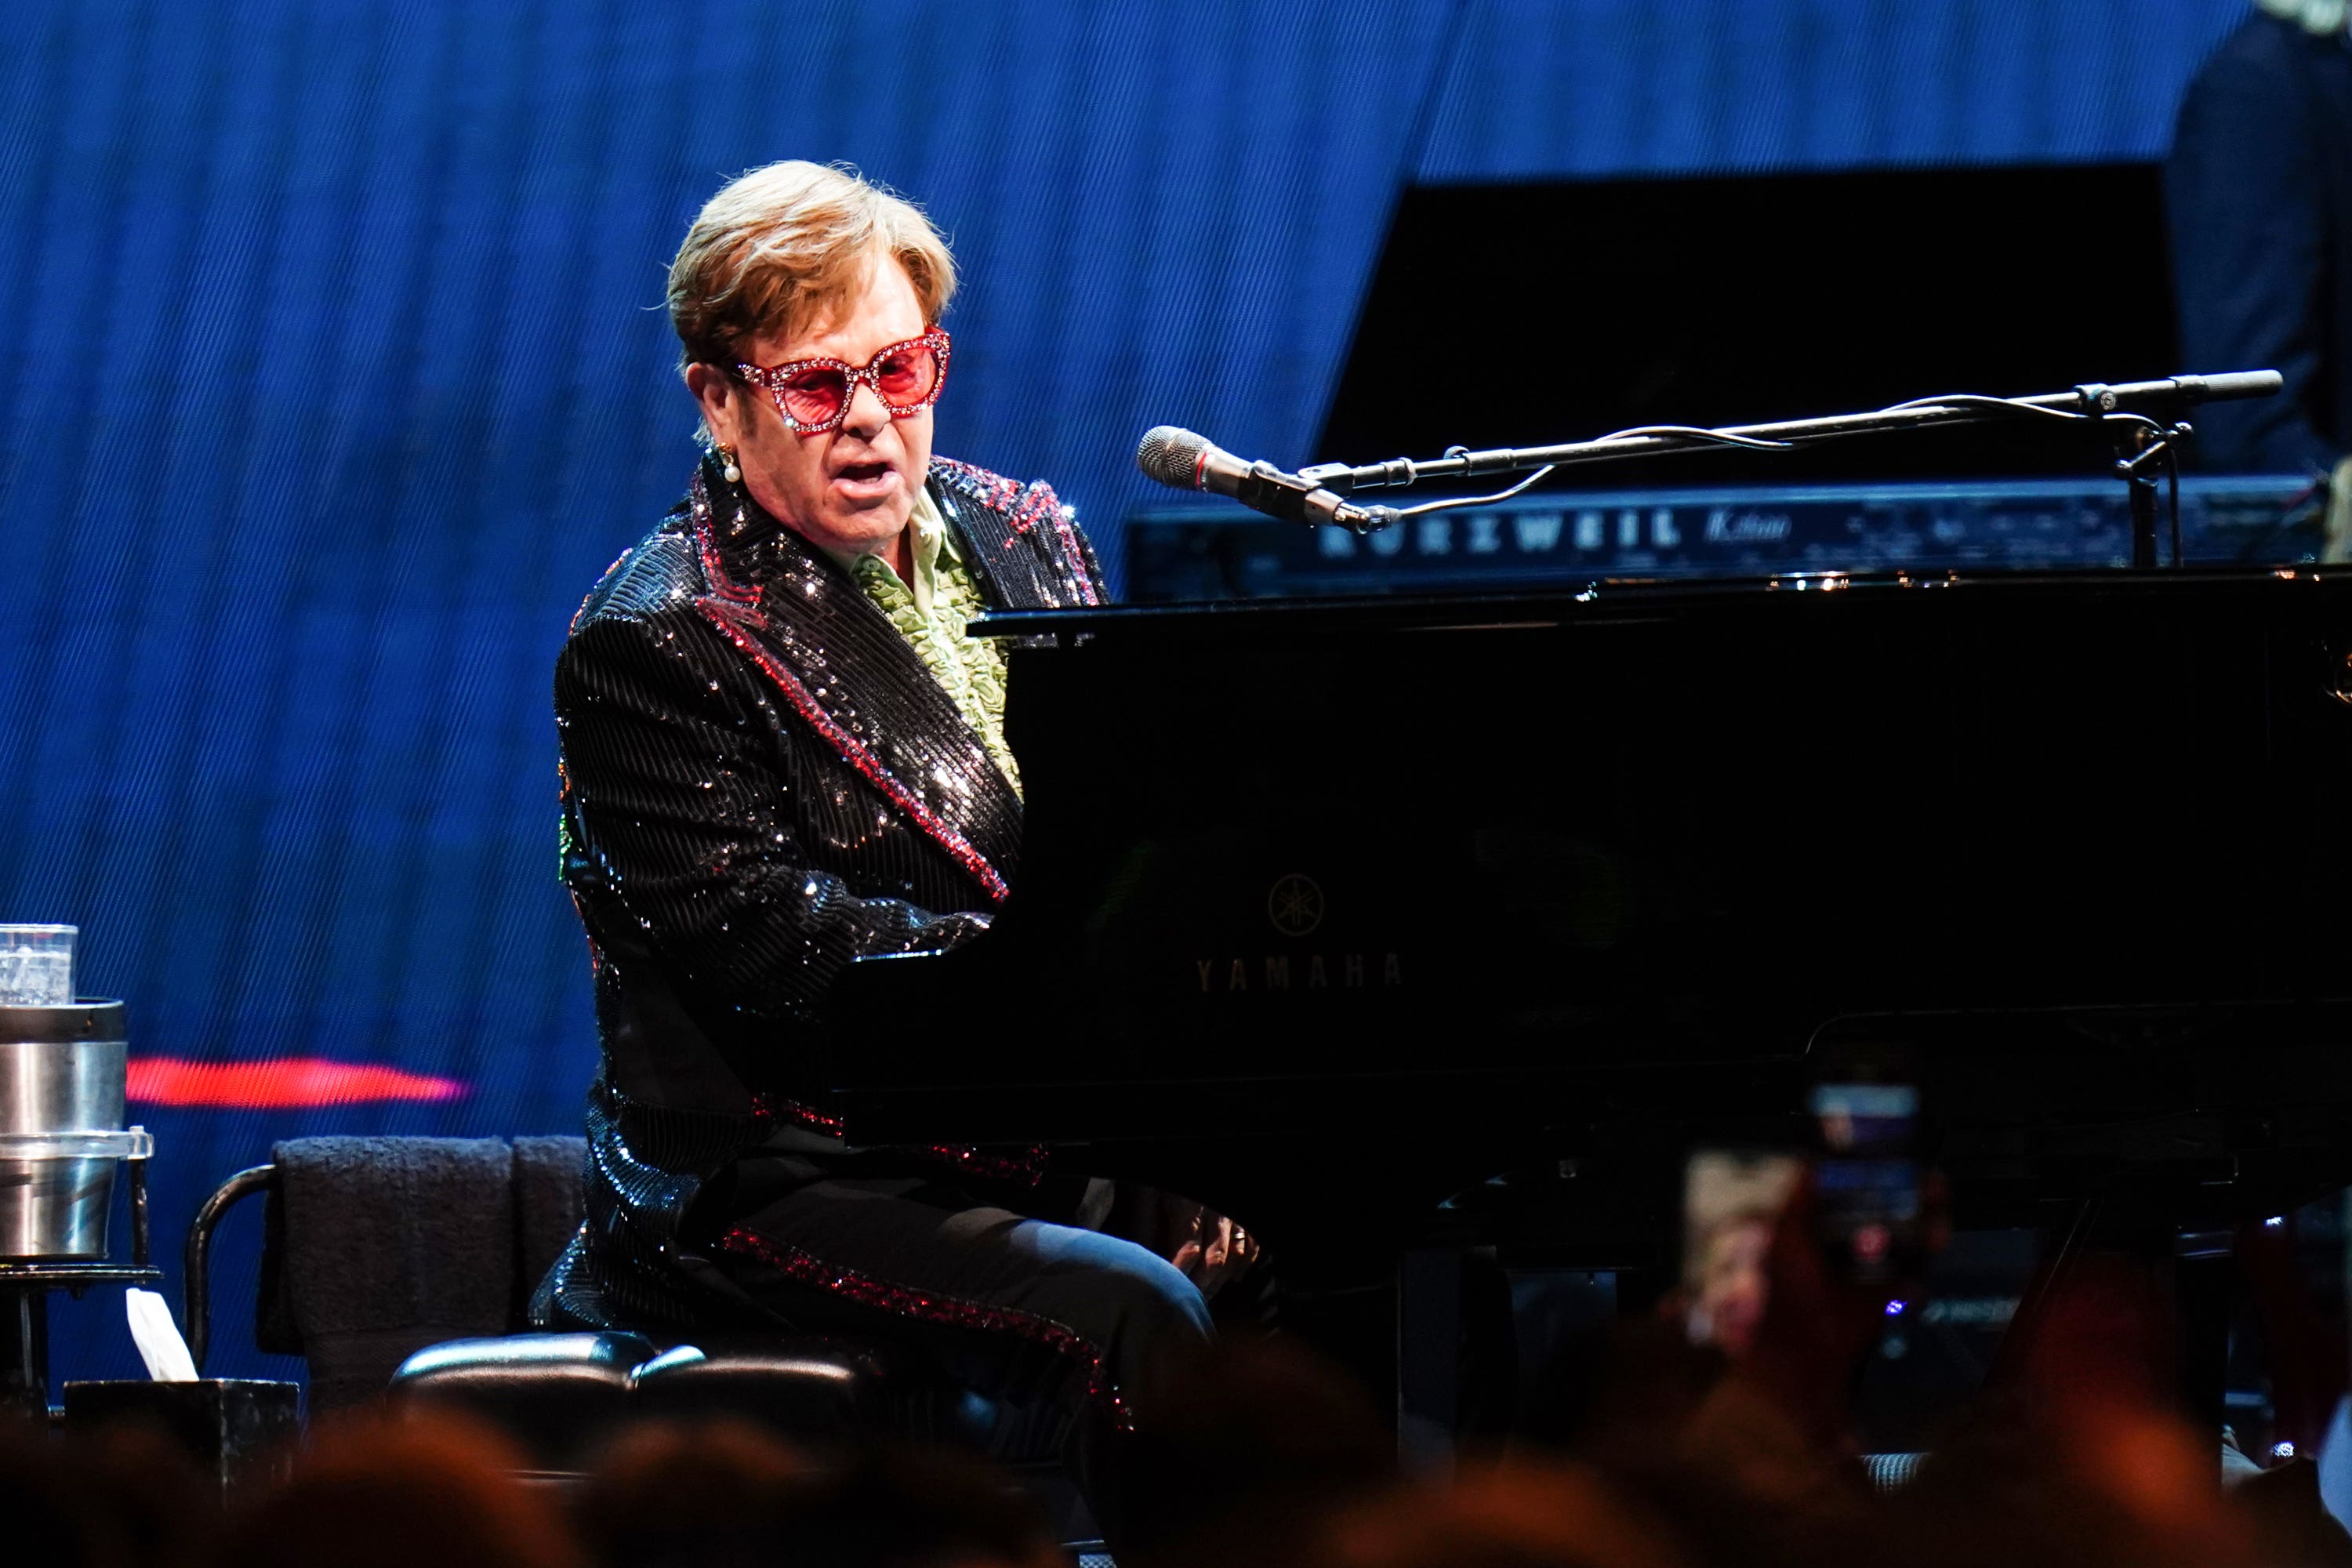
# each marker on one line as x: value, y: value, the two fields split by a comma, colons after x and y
x: 2246, y: 198
x: 680, y: 803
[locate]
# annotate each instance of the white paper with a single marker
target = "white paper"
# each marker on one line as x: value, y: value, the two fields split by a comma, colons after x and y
x: 158, y: 1338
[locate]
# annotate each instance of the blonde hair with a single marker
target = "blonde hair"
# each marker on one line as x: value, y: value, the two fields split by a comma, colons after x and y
x: 787, y: 245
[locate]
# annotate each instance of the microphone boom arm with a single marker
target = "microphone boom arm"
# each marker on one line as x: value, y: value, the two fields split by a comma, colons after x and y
x: 2093, y: 401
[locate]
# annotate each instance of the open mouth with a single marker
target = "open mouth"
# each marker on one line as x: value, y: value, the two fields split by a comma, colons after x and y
x: 863, y: 473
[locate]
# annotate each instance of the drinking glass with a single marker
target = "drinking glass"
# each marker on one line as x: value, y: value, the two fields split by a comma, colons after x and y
x: 36, y: 966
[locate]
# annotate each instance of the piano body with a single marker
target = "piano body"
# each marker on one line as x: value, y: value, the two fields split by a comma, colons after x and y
x: 1393, y: 924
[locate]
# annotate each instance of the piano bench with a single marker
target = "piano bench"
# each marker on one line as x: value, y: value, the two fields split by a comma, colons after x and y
x: 814, y: 1390
x: 559, y: 1396
x: 556, y: 1396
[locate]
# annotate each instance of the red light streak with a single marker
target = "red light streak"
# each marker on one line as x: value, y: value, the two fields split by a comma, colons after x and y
x: 278, y: 1083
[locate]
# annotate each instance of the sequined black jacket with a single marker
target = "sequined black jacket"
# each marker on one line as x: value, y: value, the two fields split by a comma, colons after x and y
x: 761, y: 782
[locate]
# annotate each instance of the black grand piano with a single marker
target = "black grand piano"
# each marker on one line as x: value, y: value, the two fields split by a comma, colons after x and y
x: 1399, y: 924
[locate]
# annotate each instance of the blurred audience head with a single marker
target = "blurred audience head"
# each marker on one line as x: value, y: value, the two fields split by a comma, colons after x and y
x: 2080, y: 1454
x: 710, y: 1493
x: 1247, y: 1445
x: 1511, y: 1516
x: 155, y: 1501
x: 1257, y: 1452
x: 729, y: 1495
x: 382, y: 1492
x: 126, y: 1495
x: 51, y: 1509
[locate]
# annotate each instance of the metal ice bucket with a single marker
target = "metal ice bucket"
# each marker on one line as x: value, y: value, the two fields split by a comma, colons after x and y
x: 61, y: 1080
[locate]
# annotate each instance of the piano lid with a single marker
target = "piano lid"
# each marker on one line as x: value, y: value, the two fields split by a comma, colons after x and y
x: 1605, y: 595
x: 1647, y: 824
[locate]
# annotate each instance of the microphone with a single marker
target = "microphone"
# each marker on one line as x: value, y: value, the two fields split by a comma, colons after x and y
x: 1185, y: 461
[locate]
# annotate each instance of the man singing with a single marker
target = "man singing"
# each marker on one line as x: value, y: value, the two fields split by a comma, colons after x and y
x: 782, y: 753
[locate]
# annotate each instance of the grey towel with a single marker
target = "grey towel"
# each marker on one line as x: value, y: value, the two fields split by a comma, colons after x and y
x: 390, y: 1245
x: 550, y: 1200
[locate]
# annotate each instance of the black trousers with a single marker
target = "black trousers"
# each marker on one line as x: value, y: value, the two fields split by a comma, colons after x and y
x: 1033, y: 1313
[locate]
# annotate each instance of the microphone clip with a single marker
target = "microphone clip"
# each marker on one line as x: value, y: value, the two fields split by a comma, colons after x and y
x: 1269, y: 490
x: 1294, y: 497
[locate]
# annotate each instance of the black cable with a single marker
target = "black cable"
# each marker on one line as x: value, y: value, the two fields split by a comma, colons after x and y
x: 1449, y: 504
x: 1697, y: 432
x: 1756, y: 444
x: 1978, y: 400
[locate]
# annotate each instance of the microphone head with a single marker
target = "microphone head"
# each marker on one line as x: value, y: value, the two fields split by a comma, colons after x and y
x: 1171, y: 456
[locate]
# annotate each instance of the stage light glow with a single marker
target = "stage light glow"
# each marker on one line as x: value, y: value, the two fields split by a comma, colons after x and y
x: 278, y: 1083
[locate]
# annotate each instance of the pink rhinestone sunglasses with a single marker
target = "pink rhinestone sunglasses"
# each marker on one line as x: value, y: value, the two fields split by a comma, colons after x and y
x: 814, y: 394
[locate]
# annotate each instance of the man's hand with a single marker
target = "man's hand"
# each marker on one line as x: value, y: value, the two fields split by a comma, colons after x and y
x: 1218, y: 1251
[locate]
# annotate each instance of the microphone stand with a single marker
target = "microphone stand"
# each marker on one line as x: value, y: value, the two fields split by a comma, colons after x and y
x: 2142, y: 416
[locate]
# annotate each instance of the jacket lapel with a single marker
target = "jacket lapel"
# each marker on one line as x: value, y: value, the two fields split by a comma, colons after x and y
x: 845, y: 669
x: 1019, y: 539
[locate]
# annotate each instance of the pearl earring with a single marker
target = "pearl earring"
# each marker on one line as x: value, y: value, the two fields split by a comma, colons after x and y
x: 729, y: 470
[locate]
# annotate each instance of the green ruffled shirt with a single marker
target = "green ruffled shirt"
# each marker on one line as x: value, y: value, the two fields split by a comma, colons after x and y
x: 931, y: 613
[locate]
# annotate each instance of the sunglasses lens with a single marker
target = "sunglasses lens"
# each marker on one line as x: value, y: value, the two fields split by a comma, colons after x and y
x: 906, y: 374
x: 815, y: 396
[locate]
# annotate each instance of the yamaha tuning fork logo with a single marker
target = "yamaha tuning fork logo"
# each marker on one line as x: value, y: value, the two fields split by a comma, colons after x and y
x: 1295, y: 906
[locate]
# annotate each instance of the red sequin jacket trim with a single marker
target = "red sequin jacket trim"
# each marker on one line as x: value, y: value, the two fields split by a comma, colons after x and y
x: 805, y: 1268
x: 734, y: 609
x: 1025, y: 505
x: 769, y: 1109
x: 1027, y: 1165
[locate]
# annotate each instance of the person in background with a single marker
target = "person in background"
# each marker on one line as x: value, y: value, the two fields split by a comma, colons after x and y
x: 2258, y: 192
